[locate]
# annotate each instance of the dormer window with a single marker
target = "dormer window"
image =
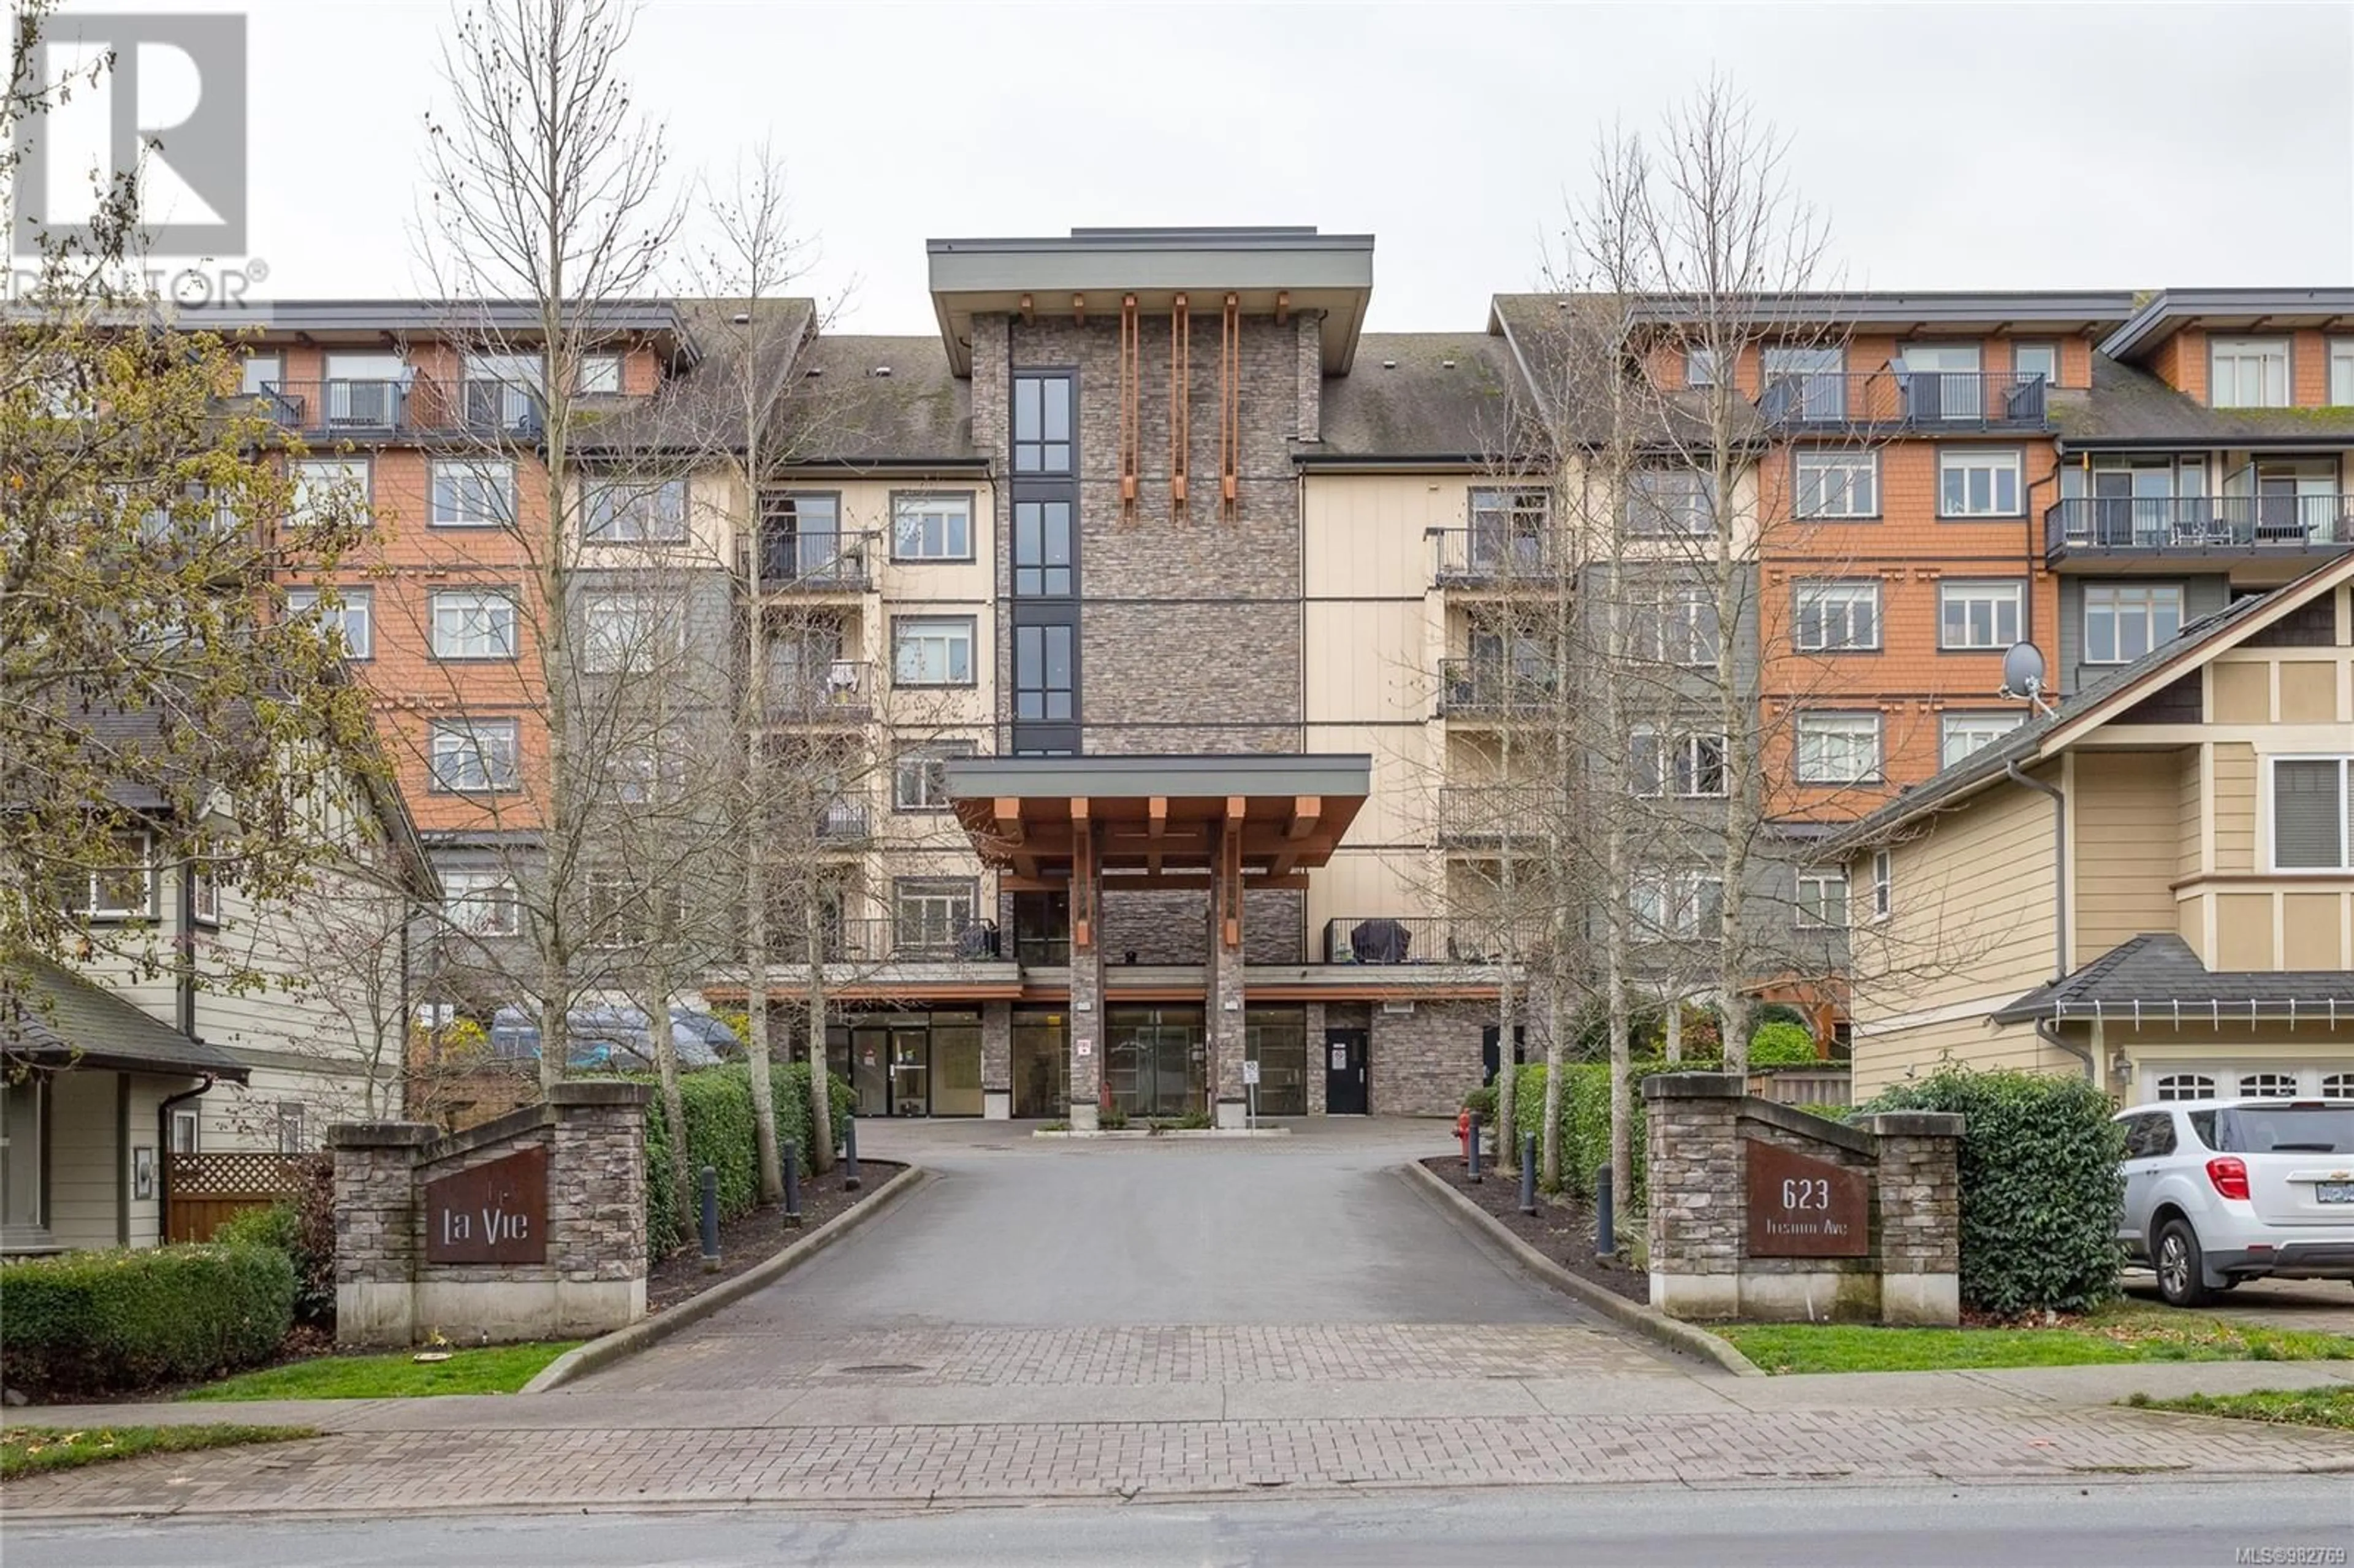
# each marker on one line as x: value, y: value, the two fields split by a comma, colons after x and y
x: 2249, y: 373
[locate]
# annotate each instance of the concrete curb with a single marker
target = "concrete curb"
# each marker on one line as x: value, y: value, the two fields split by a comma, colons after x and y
x: 1647, y: 1321
x: 582, y: 1360
x: 1174, y: 1132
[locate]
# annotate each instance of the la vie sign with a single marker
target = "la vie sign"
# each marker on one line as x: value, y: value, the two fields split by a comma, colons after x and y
x: 495, y: 1212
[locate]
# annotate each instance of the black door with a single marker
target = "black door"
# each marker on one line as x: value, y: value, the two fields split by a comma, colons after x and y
x: 1491, y: 1053
x: 1344, y: 1072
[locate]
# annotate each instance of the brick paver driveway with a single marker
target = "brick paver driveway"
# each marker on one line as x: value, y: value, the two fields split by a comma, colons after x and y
x: 1029, y: 1263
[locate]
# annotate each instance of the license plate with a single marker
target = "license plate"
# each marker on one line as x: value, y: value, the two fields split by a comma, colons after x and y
x: 2333, y: 1191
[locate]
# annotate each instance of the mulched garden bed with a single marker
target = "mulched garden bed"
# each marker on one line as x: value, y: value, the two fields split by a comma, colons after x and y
x: 1561, y: 1228
x: 752, y: 1239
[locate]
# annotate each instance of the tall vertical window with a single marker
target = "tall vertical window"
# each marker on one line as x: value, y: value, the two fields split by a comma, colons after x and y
x: 1883, y: 885
x: 1043, y: 442
x: 1044, y: 673
x: 2341, y: 373
x: 352, y: 617
x: 1836, y: 617
x: 1979, y: 615
x: 2248, y: 373
x: 2124, y: 620
x: 2312, y: 813
x: 1042, y: 549
x: 1838, y: 483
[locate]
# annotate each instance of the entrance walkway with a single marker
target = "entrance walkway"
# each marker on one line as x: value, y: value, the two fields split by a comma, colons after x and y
x: 1037, y: 1263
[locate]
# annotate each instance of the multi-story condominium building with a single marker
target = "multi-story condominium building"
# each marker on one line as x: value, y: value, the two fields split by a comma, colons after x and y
x: 1175, y: 674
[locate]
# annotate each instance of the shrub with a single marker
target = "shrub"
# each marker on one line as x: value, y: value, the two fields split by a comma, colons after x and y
x: 108, y: 1322
x: 1827, y: 1112
x: 1779, y: 1045
x: 1585, y: 1120
x: 1194, y: 1121
x: 2041, y: 1187
x: 1112, y: 1121
x: 1481, y: 1102
x: 303, y: 1227
x: 722, y: 1133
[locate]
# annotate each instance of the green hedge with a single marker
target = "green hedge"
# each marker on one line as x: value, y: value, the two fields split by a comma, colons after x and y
x: 1586, y: 1117
x: 304, y: 1228
x: 108, y: 1322
x: 1779, y: 1045
x: 2041, y: 1187
x: 722, y: 1133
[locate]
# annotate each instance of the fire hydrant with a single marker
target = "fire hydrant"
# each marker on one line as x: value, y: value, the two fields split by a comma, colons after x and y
x: 1463, y: 1132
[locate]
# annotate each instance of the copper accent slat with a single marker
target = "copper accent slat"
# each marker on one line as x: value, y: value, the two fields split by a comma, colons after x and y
x: 1230, y: 376
x: 1181, y: 385
x: 1129, y: 367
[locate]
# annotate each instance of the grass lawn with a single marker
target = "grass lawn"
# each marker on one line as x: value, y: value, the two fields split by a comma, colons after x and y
x: 495, y: 1369
x: 2122, y: 1332
x: 28, y: 1450
x: 2301, y: 1407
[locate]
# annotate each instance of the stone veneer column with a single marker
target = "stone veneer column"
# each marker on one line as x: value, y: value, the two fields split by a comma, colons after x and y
x: 376, y: 1230
x: 1224, y: 1019
x: 1088, y: 1007
x: 1318, y: 1055
x: 1697, y: 1186
x: 596, y: 1204
x: 1919, y: 1195
x: 997, y: 1061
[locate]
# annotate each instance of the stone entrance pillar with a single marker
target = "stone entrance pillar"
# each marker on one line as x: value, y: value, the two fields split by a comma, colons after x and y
x: 1222, y: 1000
x: 1086, y: 972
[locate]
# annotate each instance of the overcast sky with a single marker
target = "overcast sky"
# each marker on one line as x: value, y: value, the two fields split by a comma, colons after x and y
x: 1949, y: 147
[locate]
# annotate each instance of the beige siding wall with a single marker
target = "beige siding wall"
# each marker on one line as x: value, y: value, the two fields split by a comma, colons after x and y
x: 2191, y: 814
x: 2235, y: 792
x: 1902, y: 1054
x: 2126, y: 815
x: 90, y: 1163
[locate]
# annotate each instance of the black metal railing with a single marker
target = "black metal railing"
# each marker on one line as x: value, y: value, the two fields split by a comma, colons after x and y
x: 839, y: 692
x: 844, y: 821
x: 1413, y: 940
x: 1479, y: 556
x: 1905, y: 399
x: 408, y: 405
x: 884, y: 940
x: 2199, y: 523
x: 1493, y: 688
x: 828, y: 561
x: 1485, y: 816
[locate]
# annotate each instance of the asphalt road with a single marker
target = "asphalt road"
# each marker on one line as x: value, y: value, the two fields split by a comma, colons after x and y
x: 2136, y: 1525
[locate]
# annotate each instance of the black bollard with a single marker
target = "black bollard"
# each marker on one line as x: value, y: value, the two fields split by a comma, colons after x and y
x: 793, y: 1158
x: 1529, y: 1174
x: 710, y: 1220
x: 1605, y: 1224
x: 850, y: 1156
x: 1475, y: 1150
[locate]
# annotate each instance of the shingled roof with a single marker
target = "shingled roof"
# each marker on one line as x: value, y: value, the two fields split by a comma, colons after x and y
x: 1445, y: 397
x: 61, y: 1020
x: 2127, y: 407
x: 2157, y: 977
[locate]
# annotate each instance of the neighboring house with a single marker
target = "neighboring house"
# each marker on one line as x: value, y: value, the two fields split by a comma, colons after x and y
x: 2153, y: 887
x: 211, y: 1022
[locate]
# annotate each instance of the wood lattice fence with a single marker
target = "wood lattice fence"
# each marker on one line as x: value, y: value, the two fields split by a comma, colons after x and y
x: 204, y: 1190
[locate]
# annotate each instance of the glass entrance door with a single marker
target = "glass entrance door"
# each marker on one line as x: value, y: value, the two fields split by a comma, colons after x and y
x: 911, y: 1071
x: 1155, y: 1061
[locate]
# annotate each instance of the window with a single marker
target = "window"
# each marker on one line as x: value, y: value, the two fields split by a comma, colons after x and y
x: 601, y: 375
x: 351, y: 618
x: 471, y: 756
x: 931, y: 527
x: 473, y: 494
x: 619, y: 511
x: 328, y: 487
x: 187, y: 1131
x: 1836, y: 617
x: 1838, y: 484
x: 1671, y: 501
x: 1041, y: 424
x: 932, y: 652
x: 1960, y: 734
x: 622, y: 635
x: 930, y: 914
x: 1974, y: 483
x: 481, y: 902
x: 920, y: 780
x: 2341, y: 374
x: 1883, y: 885
x: 1822, y: 900
x: 259, y: 374
x: 470, y: 624
x: 1805, y: 384
x: 1678, y: 903
x: 2337, y: 1085
x: 1839, y: 748
x: 2036, y: 359
x: 2268, y: 1086
x: 1042, y: 549
x: 1690, y: 766
x: 639, y: 773
x: 2186, y: 1086
x: 1979, y: 615
x: 289, y: 1127
x: 1509, y: 528
x: 1044, y: 673
x: 501, y: 392
x: 203, y: 896
x: 124, y: 890
x: 2310, y: 822
x: 2123, y: 621
x: 1941, y: 380
x: 1678, y: 625
x: 362, y: 391
x: 1700, y: 366
x: 2149, y: 1137
x: 2248, y: 373
x: 617, y: 910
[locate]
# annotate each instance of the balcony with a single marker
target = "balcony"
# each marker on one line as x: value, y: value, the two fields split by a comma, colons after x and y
x: 1492, y: 689
x: 1390, y: 939
x: 2144, y: 528
x: 844, y: 822
x: 1491, y: 557
x: 877, y: 942
x: 818, y: 563
x: 1489, y: 818
x: 1891, y: 402
x: 415, y: 406
x: 839, y: 692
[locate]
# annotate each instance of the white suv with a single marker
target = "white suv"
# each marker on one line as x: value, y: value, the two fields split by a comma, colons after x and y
x: 2221, y: 1191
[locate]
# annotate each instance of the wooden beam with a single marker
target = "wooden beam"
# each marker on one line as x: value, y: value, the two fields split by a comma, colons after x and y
x: 1079, y: 309
x: 1084, y: 877
x: 1296, y: 882
x: 1282, y: 306
x: 1029, y: 310
x: 1007, y: 811
x: 1307, y: 810
x: 1156, y: 816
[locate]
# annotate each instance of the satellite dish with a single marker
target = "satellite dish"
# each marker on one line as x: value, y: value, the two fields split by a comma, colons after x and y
x: 2022, y: 674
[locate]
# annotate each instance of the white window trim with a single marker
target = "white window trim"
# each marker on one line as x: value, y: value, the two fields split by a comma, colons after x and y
x: 1884, y: 885
x: 1849, y: 589
x: 629, y: 503
x: 469, y: 730
x: 484, y: 598
x: 1879, y: 746
x: 499, y: 468
x: 1991, y: 588
x: 1947, y: 722
x: 1799, y: 462
x: 477, y: 886
x: 358, y: 471
x: 2242, y: 346
x: 2144, y: 595
x: 305, y: 597
x: 1990, y: 458
x: 91, y: 909
x: 904, y: 629
x: 916, y: 503
x: 1798, y: 912
x: 2341, y: 352
x: 2266, y: 795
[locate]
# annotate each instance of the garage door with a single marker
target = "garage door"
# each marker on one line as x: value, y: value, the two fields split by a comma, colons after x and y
x: 2246, y: 1080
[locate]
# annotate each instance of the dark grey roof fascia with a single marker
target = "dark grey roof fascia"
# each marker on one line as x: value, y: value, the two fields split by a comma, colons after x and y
x: 1244, y: 237
x: 1450, y: 461
x: 2157, y: 978
x: 2088, y: 444
x: 967, y: 463
x: 2173, y: 304
x: 1337, y: 775
x: 422, y: 316
x: 1892, y: 308
x: 73, y: 1021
